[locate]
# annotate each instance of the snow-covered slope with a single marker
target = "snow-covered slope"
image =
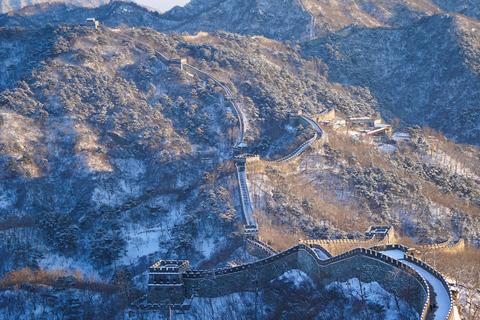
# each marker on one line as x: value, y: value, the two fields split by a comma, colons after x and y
x: 12, y: 5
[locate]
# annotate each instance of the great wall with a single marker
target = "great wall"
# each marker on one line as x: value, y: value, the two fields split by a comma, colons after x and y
x: 173, y: 284
x: 311, y: 26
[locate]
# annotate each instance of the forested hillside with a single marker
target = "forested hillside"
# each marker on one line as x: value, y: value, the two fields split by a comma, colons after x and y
x: 112, y: 156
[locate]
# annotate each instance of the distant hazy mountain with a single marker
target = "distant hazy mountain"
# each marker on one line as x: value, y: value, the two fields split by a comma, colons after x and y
x: 11, y: 5
x: 275, y: 19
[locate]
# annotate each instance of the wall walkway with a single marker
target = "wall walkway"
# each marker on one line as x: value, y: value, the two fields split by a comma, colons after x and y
x: 217, y: 282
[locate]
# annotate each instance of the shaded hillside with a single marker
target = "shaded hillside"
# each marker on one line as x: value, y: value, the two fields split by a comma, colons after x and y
x: 467, y: 7
x: 102, y: 141
x: 332, y: 16
x: 21, y: 52
x: 426, y: 73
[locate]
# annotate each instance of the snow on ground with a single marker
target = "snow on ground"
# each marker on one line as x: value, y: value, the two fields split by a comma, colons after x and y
x: 442, y: 297
x: 396, y: 254
x: 374, y: 293
x: 132, y: 171
x: 386, y: 148
x: 7, y: 198
x: 59, y: 262
x: 140, y: 244
x: 297, y: 277
x: 456, y: 316
x: 400, y: 136
x: 207, y: 246
x: 232, y: 306
x: 445, y: 160
x: 321, y: 254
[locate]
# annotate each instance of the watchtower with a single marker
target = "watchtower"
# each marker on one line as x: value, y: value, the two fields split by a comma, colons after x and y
x: 250, y: 232
x: 381, y: 232
x: 165, y: 283
x: 91, y: 22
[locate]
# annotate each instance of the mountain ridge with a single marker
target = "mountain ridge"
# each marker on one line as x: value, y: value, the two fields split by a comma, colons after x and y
x: 14, y: 5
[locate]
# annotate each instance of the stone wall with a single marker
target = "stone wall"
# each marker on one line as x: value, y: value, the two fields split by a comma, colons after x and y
x: 439, y: 276
x: 258, y: 249
x: 392, y: 279
x: 324, y: 116
x: 247, y: 277
x: 447, y: 246
x: 339, y: 246
x: 366, y: 265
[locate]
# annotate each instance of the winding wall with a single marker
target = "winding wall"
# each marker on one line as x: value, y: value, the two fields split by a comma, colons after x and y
x: 240, y: 165
x: 365, y: 264
x: 440, y: 287
x: 447, y: 246
x: 311, y: 28
x: 219, y: 282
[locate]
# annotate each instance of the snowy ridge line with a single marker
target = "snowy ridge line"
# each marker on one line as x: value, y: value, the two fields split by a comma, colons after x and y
x: 262, y: 245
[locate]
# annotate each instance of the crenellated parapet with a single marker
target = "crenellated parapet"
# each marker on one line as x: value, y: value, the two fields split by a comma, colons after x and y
x: 448, y: 246
x: 365, y: 264
x: 440, y: 277
x: 375, y: 235
x: 165, y: 282
x: 253, y: 245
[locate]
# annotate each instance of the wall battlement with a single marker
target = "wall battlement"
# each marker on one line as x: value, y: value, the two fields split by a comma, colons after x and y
x: 375, y: 235
x: 172, y: 282
x: 354, y: 263
x: 447, y: 246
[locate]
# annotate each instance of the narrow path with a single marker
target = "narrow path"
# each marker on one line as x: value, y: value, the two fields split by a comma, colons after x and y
x: 322, y: 255
x: 442, y: 298
x: 311, y: 26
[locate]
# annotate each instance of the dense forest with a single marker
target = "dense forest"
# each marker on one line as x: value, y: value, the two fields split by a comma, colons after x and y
x: 111, y: 159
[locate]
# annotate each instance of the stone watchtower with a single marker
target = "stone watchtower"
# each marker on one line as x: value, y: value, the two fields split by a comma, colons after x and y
x: 381, y: 232
x: 91, y: 22
x: 165, y: 283
x: 250, y: 232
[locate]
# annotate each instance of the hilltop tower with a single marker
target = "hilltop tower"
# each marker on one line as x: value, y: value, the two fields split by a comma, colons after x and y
x: 165, y: 283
